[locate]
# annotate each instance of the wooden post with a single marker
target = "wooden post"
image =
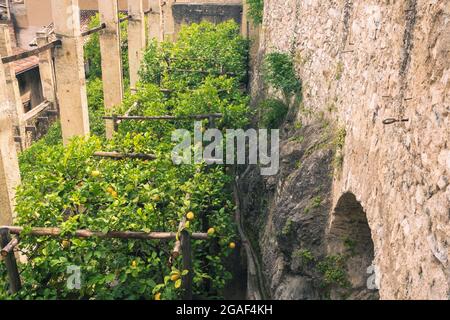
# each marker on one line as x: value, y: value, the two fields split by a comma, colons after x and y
x: 46, y: 69
x: 12, y: 97
x: 169, y: 22
x: 69, y: 70
x: 9, y: 165
x: 115, y: 123
x: 154, y: 23
x: 11, y: 264
x: 186, y: 252
x: 136, y: 39
x: 111, y: 58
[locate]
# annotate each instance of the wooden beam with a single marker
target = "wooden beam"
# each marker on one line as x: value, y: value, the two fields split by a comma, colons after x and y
x: 36, y: 111
x: 93, y: 30
x: 57, y: 232
x: 31, y: 53
x: 120, y: 156
x: 9, y: 247
x: 151, y: 118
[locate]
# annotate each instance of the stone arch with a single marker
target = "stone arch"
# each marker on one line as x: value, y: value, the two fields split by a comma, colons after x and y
x: 350, y: 236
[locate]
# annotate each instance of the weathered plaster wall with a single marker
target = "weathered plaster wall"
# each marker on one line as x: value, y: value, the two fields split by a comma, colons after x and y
x: 362, y: 62
x: 188, y: 13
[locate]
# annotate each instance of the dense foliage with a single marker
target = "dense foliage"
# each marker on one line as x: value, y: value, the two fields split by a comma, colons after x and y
x: 273, y: 113
x: 279, y: 72
x: 256, y: 10
x: 67, y: 187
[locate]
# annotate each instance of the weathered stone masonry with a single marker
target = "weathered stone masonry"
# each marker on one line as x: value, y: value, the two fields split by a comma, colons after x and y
x: 362, y: 62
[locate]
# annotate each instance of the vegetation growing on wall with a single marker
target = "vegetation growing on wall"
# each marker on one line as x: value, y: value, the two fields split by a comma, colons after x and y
x: 279, y: 72
x: 256, y: 10
x: 68, y: 187
x: 273, y: 113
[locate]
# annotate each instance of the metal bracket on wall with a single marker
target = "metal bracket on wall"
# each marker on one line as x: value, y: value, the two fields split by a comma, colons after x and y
x: 393, y: 120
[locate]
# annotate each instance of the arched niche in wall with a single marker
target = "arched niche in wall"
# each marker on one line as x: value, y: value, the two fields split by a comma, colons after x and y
x: 350, y: 238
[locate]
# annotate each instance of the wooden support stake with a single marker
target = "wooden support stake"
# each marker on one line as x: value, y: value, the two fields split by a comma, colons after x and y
x: 69, y: 70
x: 111, y: 59
x: 154, y: 118
x: 9, y: 247
x: 115, y: 123
x: 57, y: 232
x: 11, y: 264
x: 186, y: 250
x: 96, y: 29
x: 136, y: 39
x: 177, y: 248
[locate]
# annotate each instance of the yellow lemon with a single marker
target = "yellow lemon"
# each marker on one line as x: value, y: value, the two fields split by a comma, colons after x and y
x: 95, y: 173
x: 110, y: 189
x: 65, y: 244
x: 114, y: 194
x: 211, y: 231
x: 156, y: 198
x: 175, y: 277
x: 134, y: 264
x: 232, y: 245
x: 190, y: 216
x: 158, y: 296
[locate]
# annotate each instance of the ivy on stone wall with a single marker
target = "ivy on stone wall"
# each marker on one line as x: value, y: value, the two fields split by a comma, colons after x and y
x: 256, y: 10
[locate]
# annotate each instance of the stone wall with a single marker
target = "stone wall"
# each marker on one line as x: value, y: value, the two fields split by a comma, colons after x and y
x: 188, y: 13
x: 362, y: 62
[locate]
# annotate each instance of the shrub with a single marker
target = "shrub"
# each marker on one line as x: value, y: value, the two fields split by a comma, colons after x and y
x: 334, y: 271
x: 256, y: 10
x: 278, y: 71
x: 204, y: 46
x: 96, y: 107
x: 273, y: 112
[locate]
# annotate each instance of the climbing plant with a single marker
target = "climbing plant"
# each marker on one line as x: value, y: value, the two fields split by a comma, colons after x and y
x: 279, y: 72
x: 273, y: 112
x: 256, y: 10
